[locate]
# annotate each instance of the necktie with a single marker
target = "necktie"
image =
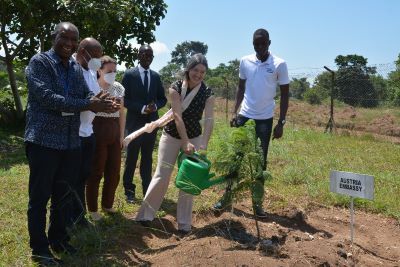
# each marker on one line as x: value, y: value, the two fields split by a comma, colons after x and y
x: 146, y: 80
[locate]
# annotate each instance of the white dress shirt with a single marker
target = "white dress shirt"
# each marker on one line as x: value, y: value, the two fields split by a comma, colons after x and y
x: 141, y: 72
x: 86, y: 127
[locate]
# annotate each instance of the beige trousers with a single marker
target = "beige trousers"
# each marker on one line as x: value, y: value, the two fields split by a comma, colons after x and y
x: 168, y: 150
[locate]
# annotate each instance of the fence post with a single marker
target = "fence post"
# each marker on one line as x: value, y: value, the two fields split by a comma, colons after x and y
x: 226, y: 98
x: 331, y: 123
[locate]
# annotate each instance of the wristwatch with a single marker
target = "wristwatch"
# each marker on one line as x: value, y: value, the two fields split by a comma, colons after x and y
x: 282, y: 122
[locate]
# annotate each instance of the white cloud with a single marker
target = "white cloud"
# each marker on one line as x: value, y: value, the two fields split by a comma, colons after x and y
x: 159, y: 48
x: 161, y: 55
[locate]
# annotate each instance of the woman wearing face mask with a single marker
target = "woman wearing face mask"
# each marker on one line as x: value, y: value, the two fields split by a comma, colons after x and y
x: 109, y: 131
x: 183, y: 133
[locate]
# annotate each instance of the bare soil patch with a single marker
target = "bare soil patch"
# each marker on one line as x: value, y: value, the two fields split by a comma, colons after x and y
x: 318, y: 236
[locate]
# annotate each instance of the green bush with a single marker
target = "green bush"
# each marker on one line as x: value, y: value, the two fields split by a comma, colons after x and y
x: 7, y: 110
x: 312, y: 96
x: 3, y: 79
x: 395, y: 97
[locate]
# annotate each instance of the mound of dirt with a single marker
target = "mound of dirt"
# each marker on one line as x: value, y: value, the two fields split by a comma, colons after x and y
x: 384, y: 125
x: 289, y: 237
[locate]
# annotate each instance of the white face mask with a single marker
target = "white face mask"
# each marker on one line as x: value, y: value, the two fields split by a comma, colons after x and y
x: 94, y: 64
x: 110, y: 77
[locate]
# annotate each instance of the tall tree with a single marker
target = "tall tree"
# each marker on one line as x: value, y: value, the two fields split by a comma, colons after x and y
x: 380, y: 85
x: 22, y: 22
x: 231, y: 69
x: 299, y: 87
x: 224, y: 79
x: 26, y: 26
x: 218, y: 85
x: 169, y: 74
x: 323, y: 84
x: 185, y: 50
x: 394, y: 84
x: 115, y: 23
x: 353, y: 82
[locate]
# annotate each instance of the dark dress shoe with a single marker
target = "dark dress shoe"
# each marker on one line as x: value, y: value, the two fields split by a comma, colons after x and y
x: 183, y: 233
x: 144, y: 223
x: 46, y: 259
x: 63, y: 248
x: 220, y: 206
x: 130, y: 198
x: 83, y: 223
x: 259, y: 212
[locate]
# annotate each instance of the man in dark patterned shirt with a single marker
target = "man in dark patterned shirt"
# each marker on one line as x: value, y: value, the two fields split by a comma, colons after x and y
x: 57, y: 94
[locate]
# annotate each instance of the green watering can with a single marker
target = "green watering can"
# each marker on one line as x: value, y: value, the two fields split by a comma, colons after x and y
x: 194, y: 173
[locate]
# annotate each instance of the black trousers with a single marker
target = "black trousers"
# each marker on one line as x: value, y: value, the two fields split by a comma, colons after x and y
x: 52, y: 172
x: 263, y: 132
x: 145, y: 145
x: 78, y: 211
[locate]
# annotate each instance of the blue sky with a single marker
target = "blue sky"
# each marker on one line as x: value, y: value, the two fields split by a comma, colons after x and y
x: 308, y: 34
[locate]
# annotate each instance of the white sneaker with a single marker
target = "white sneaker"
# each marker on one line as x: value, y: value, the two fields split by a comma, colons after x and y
x: 110, y: 210
x: 95, y: 216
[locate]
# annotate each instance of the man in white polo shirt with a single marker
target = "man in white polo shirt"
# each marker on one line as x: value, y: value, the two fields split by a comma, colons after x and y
x: 88, y: 56
x: 260, y: 74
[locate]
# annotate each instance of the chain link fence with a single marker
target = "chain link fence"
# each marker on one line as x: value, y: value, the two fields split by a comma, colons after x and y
x: 356, y: 99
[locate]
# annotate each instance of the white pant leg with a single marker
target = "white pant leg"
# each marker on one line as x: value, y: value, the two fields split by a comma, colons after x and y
x: 185, y: 201
x: 168, y: 150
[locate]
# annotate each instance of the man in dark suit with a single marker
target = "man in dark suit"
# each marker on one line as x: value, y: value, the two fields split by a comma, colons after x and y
x: 144, y: 96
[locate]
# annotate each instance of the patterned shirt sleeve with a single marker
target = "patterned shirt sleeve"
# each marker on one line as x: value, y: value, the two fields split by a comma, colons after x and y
x: 39, y: 83
x: 116, y: 90
x: 120, y: 89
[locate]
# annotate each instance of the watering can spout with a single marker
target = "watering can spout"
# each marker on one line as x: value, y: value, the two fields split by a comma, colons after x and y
x: 215, y: 181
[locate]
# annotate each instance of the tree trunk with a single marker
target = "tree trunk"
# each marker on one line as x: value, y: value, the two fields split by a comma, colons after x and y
x: 14, y: 89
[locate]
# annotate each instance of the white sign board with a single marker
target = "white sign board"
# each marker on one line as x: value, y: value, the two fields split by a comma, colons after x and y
x: 352, y: 184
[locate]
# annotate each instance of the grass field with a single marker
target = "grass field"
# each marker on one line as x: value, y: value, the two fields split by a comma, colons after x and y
x: 299, y: 163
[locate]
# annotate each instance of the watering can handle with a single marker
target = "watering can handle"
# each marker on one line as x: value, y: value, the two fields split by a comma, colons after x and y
x: 203, y: 157
x: 182, y: 155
